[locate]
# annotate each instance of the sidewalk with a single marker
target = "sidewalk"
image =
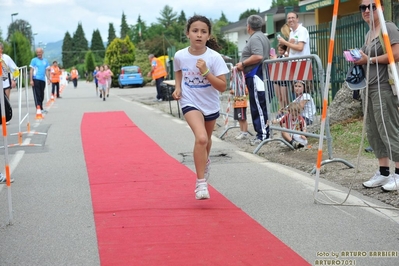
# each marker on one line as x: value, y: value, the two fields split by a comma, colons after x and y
x: 53, y: 216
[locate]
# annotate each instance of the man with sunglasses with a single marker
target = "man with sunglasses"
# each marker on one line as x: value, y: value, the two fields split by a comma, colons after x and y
x: 382, y: 114
x: 298, y: 42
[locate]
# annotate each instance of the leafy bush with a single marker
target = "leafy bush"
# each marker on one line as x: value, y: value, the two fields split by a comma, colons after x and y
x: 118, y: 54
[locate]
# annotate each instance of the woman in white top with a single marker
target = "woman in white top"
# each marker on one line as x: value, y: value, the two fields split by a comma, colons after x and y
x: 12, y: 68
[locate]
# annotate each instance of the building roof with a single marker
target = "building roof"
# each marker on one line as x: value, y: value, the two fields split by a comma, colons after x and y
x: 279, y: 13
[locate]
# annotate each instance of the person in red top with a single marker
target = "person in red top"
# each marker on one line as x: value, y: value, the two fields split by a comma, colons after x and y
x: 74, y: 77
x: 293, y: 120
x: 55, y: 73
x: 158, y: 74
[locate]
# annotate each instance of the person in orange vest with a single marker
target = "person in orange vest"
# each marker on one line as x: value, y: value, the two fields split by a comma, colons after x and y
x: 74, y: 76
x: 55, y: 73
x: 158, y: 74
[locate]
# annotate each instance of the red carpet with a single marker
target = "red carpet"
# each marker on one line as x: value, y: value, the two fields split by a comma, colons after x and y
x: 145, y: 211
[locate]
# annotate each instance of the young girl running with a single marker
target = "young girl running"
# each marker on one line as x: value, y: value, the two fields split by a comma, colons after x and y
x: 200, y: 77
x: 102, y: 77
x: 109, y: 80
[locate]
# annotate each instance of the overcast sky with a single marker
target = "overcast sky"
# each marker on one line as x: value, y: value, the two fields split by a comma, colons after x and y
x: 51, y: 19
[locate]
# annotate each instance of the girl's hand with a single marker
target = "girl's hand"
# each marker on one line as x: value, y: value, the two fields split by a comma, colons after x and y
x: 176, y: 94
x: 201, y: 65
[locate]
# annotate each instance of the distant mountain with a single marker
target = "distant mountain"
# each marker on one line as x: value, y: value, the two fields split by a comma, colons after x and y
x: 53, y: 51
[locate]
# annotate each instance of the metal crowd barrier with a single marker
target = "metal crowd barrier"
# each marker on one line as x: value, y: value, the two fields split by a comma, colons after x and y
x: 226, y: 107
x: 280, y: 78
x: 24, y: 109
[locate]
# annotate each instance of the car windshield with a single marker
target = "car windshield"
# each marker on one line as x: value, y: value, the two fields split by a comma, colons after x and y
x: 131, y: 70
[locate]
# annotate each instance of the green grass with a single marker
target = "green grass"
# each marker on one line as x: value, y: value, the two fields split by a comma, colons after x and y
x: 347, y: 137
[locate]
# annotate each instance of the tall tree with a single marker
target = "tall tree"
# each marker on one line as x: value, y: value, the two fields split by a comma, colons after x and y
x: 22, y: 26
x: 276, y: 3
x: 223, y: 18
x: 248, y: 12
x: 124, y: 27
x: 89, y: 64
x: 167, y: 16
x: 182, y: 20
x: 111, y: 33
x: 80, y: 45
x: 67, y: 51
x: 181, y: 24
x: 227, y: 47
x: 97, y: 47
x: 23, y: 49
x: 139, y: 31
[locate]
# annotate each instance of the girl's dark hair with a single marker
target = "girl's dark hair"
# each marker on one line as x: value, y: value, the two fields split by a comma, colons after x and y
x: 212, y: 42
x: 283, y: 46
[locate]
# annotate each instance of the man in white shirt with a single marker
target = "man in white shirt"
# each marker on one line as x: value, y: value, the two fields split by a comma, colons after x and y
x: 10, y: 65
x: 298, y: 43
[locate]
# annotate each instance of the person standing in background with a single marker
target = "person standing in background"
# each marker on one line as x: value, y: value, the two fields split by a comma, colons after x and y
x: 382, y: 119
x: 158, y: 73
x: 74, y: 77
x: 12, y: 69
x: 109, y: 81
x: 39, y: 67
x: 95, y: 79
x: 254, y: 53
x: 55, y: 73
x: 102, y: 77
x: 298, y: 42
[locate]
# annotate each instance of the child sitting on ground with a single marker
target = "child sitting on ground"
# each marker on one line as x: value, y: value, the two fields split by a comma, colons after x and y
x: 293, y: 120
x: 304, y: 98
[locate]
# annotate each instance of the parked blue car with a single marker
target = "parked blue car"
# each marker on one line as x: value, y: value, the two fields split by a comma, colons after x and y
x: 130, y: 76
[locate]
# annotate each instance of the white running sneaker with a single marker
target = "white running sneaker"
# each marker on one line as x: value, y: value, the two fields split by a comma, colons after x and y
x: 3, y: 179
x: 393, y: 183
x: 207, y: 172
x: 242, y: 135
x: 376, y: 181
x: 201, y: 191
x: 255, y: 141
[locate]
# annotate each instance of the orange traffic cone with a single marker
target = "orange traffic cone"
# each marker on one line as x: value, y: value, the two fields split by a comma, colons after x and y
x: 38, y: 113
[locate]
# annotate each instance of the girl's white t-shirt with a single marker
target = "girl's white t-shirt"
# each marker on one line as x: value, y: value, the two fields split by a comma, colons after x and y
x: 310, y: 108
x: 196, y: 90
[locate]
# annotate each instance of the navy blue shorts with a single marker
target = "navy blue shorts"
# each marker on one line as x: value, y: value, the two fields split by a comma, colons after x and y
x: 210, y: 117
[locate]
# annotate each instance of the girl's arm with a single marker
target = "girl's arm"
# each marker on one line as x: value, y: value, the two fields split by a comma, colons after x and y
x: 218, y: 82
x: 178, y: 79
x: 303, y: 103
